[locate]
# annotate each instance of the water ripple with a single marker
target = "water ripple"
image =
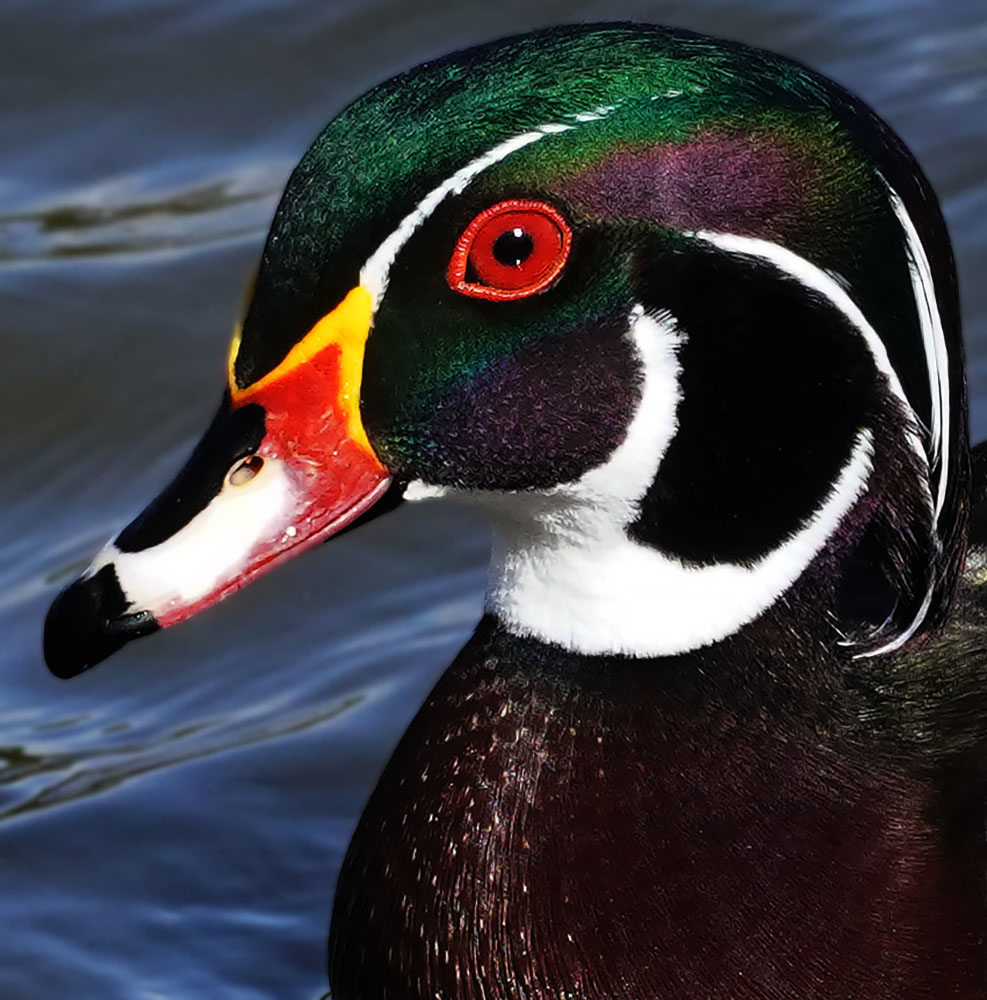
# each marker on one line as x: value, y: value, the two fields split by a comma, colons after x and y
x: 122, y: 217
x: 96, y: 769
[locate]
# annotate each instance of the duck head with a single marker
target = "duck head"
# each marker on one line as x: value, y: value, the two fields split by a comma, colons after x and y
x: 681, y: 314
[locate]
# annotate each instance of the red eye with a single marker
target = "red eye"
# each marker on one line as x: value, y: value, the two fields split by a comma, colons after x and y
x: 510, y: 251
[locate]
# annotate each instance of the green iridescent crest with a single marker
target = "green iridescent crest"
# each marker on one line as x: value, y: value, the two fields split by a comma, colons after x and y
x: 617, y: 86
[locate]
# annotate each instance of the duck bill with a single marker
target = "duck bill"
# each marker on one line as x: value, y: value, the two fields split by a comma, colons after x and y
x: 284, y: 465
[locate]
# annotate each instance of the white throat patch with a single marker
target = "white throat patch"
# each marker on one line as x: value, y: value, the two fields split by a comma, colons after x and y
x: 565, y: 571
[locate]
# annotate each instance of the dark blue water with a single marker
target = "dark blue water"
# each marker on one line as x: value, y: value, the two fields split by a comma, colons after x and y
x: 171, y: 824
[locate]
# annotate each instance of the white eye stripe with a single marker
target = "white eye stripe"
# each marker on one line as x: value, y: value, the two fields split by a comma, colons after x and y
x: 936, y: 351
x: 374, y: 273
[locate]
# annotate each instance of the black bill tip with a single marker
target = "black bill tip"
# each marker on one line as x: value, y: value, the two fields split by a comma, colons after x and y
x: 89, y: 621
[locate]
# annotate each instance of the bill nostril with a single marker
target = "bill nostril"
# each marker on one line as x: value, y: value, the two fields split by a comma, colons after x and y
x: 246, y: 470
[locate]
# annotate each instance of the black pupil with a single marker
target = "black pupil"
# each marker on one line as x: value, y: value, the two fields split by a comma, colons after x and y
x: 513, y: 248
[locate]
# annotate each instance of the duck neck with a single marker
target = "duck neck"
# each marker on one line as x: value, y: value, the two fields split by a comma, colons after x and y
x: 554, y: 824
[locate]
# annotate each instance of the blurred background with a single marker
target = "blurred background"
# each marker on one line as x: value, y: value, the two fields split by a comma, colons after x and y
x: 171, y: 824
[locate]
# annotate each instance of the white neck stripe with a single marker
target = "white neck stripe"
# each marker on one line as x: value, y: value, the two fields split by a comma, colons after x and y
x: 812, y: 277
x: 610, y: 595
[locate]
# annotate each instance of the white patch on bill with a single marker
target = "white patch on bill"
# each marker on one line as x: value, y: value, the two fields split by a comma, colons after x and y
x: 209, y: 552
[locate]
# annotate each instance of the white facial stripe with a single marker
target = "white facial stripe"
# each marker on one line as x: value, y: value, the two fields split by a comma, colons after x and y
x: 376, y: 270
x: 810, y: 276
x: 211, y: 550
x: 570, y: 574
x: 934, y: 339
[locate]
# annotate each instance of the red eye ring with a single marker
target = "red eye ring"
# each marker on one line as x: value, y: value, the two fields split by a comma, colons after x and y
x: 532, y: 232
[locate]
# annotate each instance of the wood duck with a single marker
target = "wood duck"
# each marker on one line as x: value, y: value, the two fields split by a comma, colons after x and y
x: 682, y: 316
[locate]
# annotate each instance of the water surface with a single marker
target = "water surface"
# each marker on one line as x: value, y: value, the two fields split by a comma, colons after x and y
x: 171, y: 823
